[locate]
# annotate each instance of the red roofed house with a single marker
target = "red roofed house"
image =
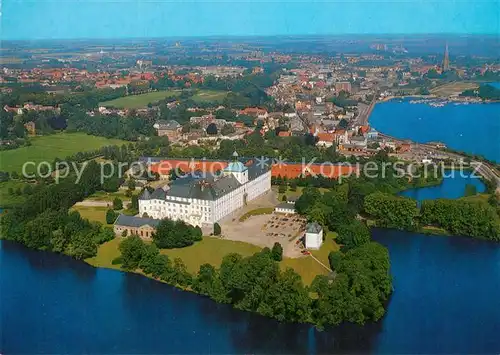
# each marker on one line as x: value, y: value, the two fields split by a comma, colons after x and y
x: 254, y: 112
x: 326, y: 139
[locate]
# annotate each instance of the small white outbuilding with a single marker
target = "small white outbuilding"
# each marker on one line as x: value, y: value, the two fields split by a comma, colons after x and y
x: 314, y: 236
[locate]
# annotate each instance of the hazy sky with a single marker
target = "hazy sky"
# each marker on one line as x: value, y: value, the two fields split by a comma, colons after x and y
x: 34, y: 19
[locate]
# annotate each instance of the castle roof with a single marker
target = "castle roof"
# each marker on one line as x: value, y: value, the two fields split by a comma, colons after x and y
x: 235, y: 167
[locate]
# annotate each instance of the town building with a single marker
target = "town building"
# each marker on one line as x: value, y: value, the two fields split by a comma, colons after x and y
x: 343, y: 86
x: 204, y: 198
x: 171, y: 129
x: 130, y: 225
x: 314, y: 236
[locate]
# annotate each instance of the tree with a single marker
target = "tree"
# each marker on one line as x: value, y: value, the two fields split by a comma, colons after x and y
x: 284, y: 198
x: 212, y: 129
x: 117, y: 204
x: 131, y: 184
x: 353, y: 234
x: 217, y: 229
x: 334, y: 259
x: 470, y: 190
x: 227, y: 129
x: 391, y: 211
x: 277, y: 252
x: 175, y: 234
x: 27, y: 190
x: 132, y: 250
x: 282, y: 189
x: 310, y: 195
x: 111, y: 216
x: 462, y: 217
x: 134, y: 201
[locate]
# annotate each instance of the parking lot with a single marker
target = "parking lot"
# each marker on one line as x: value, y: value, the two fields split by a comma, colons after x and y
x: 265, y: 230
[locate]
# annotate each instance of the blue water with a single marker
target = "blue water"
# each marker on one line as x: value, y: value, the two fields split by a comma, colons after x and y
x: 446, y: 300
x: 474, y: 128
x: 453, y: 186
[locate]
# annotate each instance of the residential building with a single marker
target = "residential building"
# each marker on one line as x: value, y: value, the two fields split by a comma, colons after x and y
x: 171, y: 129
x: 343, y: 86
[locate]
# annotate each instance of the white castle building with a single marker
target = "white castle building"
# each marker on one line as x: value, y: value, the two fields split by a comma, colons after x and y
x: 207, y: 200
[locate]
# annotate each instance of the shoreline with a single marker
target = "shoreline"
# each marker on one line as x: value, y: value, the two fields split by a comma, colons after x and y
x: 458, y: 99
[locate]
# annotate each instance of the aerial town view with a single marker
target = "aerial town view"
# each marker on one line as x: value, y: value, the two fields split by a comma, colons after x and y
x: 237, y: 178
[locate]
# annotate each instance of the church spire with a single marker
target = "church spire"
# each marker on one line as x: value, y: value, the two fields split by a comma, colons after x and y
x: 446, y: 59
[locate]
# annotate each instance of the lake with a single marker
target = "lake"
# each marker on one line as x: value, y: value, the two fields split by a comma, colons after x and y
x: 446, y: 300
x: 473, y: 128
x: 453, y: 186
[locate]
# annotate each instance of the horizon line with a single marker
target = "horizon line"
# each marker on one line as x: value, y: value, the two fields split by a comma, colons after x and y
x: 455, y: 34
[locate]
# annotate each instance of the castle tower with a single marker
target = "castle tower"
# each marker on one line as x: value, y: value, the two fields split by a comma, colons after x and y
x: 446, y: 59
x: 237, y: 169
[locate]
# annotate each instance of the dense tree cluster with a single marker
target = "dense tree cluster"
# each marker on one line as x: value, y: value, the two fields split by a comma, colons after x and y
x: 359, y: 290
x: 392, y: 211
x: 485, y: 92
x: 135, y: 254
x: 175, y: 234
x: 356, y: 294
x: 462, y: 217
x: 44, y: 221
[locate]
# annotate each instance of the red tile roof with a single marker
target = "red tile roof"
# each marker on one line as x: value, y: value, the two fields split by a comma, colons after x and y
x: 292, y: 171
x: 326, y: 137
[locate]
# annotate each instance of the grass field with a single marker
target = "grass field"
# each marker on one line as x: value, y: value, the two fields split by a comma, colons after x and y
x: 453, y: 88
x: 109, y: 196
x: 7, y: 200
x: 140, y: 101
x: 211, y: 250
x: 105, y: 255
x: 209, y: 96
x: 307, y: 267
x: 47, y: 148
x: 93, y: 214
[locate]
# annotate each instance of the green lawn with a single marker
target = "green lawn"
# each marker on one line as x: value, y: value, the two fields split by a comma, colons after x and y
x: 209, y: 96
x: 477, y: 198
x: 47, y: 148
x: 109, y: 196
x: 257, y: 212
x: 307, y: 267
x: 139, y: 101
x: 93, y: 214
x: 7, y: 200
x: 105, y: 255
x: 211, y: 250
